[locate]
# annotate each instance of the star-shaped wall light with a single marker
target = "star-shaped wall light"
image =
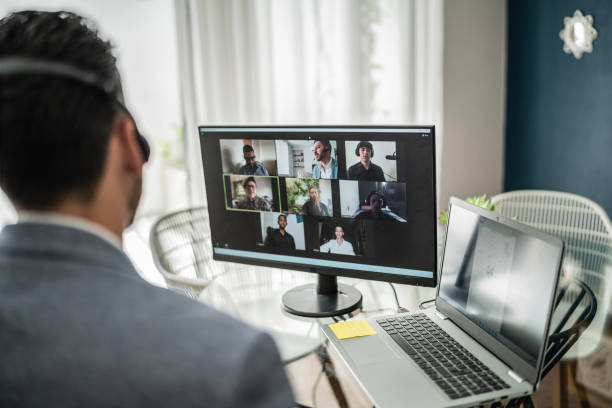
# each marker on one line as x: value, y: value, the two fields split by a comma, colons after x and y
x: 578, y: 34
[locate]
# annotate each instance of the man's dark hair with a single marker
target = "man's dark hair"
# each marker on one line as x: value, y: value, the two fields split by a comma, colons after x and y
x: 54, y: 131
x: 326, y: 144
x: 279, y: 217
x: 246, y: 180
x: 247, y: 149
x: 367, y: 145
x: 380, y: 195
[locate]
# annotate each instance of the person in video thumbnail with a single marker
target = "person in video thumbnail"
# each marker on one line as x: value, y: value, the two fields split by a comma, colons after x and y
x: 251, y: 166
x: 252, y: 201
x: 338, y: 245
x: 365, y: 170
x: 327, y: 166
x: 279, y: 238
x: 314, y: 206
x: 374, y: 208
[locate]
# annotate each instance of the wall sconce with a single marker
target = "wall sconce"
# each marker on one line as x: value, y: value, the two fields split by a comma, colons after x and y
x: 578, y: 34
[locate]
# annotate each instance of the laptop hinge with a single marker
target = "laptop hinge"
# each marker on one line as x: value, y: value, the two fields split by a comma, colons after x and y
x: 515, y: 376
x: 440, y: 315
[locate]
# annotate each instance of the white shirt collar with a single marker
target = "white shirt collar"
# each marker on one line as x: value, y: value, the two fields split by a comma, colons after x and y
x: 326, y: 171
x: 47, y: 217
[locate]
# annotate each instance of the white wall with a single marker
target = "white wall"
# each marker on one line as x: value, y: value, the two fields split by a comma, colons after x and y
x: 231, y: 155
x: 282, y: 151
x: 474, y: 98
x: 349, y: 197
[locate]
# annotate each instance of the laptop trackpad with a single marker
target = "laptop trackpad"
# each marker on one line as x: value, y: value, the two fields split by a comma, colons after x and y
x: 367, y: 350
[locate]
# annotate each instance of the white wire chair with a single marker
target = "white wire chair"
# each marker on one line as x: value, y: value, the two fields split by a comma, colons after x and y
x: 587, y: 231
x: 182, y: 250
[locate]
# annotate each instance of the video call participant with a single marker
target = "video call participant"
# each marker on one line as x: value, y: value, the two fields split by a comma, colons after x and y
x: 338, y: 245
x: 374, y: 209
x: 280, y: 238
x: 326, y: 166
x: 251, y: 166
x: 314, y: 206
x: 80, y: 327
x: 252, y: 201
x: 365, y: 170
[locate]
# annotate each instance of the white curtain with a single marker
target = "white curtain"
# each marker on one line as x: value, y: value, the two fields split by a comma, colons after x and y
x: 308, y: 62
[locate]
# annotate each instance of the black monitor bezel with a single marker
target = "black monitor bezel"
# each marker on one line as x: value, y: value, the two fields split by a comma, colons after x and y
x: 332, y: 271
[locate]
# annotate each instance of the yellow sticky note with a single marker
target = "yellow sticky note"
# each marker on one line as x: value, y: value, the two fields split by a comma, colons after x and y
x: 350, y: 329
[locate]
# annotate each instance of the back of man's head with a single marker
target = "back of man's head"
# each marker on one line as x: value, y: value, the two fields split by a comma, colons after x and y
x: 54, y: 131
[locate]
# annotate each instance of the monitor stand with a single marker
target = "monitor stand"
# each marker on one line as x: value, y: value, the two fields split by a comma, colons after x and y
x: 325, y: 299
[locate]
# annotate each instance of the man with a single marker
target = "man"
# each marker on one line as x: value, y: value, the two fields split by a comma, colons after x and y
x: 313, y: 206
x: 365, y: 170
x: 280, y: 238
x: 251, y: 166
x: 252, y: 201
x: 338, y: 245
x: 326, y: 166
x: 374, y: 208
x: 79, y: 327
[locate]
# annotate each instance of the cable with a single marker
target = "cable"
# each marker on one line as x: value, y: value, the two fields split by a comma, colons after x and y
x: 314, y: 388
x: 425, y: 301
x: 399, y: 308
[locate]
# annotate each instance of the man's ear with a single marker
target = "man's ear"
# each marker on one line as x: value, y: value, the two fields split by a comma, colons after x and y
x: 132, y: 156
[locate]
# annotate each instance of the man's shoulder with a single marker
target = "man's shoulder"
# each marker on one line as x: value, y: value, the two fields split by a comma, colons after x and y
x: 260, y: 201
x: 355, y: 168
x: 154, y: 335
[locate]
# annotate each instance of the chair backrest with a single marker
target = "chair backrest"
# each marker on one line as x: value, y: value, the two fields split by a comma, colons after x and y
x: 581, y: 223
x: 574, y: 320
x: 182, y: 250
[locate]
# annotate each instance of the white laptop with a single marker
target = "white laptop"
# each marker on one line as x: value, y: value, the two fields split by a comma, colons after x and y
x: 485, y: 339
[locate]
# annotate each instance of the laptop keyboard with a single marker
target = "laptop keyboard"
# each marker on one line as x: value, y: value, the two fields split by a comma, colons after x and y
x: 454, y: 369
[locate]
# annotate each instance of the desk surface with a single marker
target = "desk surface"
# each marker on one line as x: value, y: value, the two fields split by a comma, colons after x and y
x: 253, y: 294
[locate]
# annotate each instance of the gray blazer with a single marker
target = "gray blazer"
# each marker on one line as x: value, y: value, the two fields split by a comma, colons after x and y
x: 80, y: 328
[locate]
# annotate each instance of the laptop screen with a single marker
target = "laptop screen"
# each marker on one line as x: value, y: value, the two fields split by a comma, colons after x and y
x: 501, y: 278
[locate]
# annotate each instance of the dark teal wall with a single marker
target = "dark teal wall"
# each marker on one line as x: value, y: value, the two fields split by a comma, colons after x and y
x: 559, y: 109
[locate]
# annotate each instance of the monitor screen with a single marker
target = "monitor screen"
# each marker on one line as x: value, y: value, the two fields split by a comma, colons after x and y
x: 351, y: 201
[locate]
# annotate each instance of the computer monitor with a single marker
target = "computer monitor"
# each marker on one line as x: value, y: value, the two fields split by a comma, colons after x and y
x: 355, y: 201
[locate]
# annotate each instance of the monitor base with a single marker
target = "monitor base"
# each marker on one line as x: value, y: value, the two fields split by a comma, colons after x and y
x: 325, y: 299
